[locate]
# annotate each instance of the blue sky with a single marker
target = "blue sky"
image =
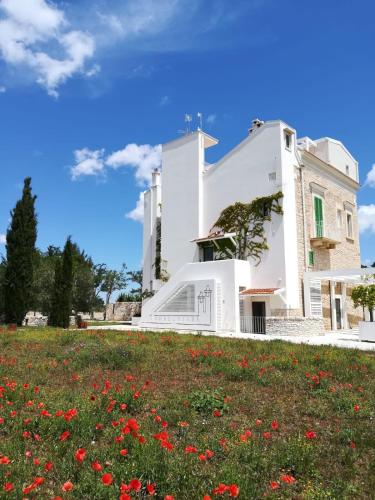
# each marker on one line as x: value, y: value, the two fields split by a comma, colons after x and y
x: 88, y: 89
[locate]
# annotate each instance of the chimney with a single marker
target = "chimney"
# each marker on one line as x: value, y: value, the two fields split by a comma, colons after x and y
x: 155, y: 178
x: 255, y: 124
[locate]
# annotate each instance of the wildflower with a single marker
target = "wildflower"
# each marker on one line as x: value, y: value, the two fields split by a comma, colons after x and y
x: 234, y: 490
x: 310, y: 435
x: 68, y: 486
x: 80, y: 455
x: 135, y: 485
x: 169, y: 497
x: 151, y: 489
x: 221, y: 489
x: 356, y: 408
x: 125, y: 496
x: 207, y: 497
x: 123, y: 452
x: 266, y: 435
x: 274, y: 485
x: 286, y: 478
x: 217, y: 413
x: 190, y: 449
x: 48, y: 466
x: 64, y: 436
x: 96, y: 466
x: 258, y: 422
x: 8, y: 487
x: 107, y: 479
x: 275, y: 425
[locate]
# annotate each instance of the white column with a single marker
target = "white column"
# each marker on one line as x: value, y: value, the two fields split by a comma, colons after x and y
x: 333, y: 304
x: 306, y: 296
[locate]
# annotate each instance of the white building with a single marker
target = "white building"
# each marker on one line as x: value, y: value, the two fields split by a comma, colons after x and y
x: 318, y: 230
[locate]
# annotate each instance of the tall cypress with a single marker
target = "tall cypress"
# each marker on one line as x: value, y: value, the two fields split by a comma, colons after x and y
x: 20, y: 251
x: 63, y: 288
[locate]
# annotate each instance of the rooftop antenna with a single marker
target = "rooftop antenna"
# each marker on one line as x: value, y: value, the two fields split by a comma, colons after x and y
x: 200, y: 118
x: 188, y: 120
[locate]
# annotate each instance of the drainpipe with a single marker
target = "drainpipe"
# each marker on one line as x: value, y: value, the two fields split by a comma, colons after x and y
x: 304, y: 214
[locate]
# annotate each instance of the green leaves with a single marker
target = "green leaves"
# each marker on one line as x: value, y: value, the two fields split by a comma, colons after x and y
x: 247, y: 220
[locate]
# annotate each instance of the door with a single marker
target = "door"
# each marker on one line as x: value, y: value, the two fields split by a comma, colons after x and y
x: 338, y: 313
x: 259, y: 317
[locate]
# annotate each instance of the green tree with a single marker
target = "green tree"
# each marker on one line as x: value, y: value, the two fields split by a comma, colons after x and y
x: 113, y: 282
x: 247, y: 220
x: 20, y: 252
x: 136, y: 277
x: 61, y: 306
x: 364, y: 296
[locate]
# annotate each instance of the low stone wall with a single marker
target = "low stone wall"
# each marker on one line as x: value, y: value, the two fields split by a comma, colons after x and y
x: 123, y: 311
x: 34, y: 318
x: 294, y: 325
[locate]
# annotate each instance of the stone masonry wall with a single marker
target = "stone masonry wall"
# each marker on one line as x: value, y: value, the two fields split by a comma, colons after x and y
x: 123, y: 311
x: 295, y: 325
x: 346, y: 255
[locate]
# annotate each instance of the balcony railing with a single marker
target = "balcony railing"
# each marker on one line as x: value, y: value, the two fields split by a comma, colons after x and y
x: 325, y: 236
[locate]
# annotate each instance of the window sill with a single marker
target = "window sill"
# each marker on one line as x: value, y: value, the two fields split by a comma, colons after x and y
x: 351, y: 240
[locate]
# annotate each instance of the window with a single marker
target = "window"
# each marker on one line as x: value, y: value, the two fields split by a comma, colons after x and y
x: 272, y: 176
x: 349, y: 225
x: 266, y: 211
x: 347, y: 169
x: 208, y: 253
x: 288, y: 139
x: 318, y: 217
x: 311, y: 258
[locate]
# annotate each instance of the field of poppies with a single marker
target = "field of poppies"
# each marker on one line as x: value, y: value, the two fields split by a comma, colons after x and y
x: 122, y: 415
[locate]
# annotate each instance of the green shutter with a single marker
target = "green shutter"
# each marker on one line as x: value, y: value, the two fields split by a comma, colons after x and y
x: 318, y: 207
x: 311, y: 258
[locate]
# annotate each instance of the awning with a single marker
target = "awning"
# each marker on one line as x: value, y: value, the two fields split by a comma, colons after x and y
x: 215, y: 236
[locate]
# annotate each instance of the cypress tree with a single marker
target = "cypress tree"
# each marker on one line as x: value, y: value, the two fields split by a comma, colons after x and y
x: 63, y: 289
x: 20, y: 251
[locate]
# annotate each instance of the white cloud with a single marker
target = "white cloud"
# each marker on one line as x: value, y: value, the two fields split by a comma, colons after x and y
x: 3, y: 239
x: 164, y: 101
x: 144, y: 159
x: 366, y: 218
x: 138, y: 212
x: 87, y: 162
x: 35, y: 34
x: 211, y: 119
x: 370, y: 178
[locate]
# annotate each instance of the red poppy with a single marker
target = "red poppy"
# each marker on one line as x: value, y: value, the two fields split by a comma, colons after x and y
x: 234, y: 490
x: 124, y: 452
x: 221, y: 489
x: 286, y: 478
x: 8, y: 487
x: 275, y: 425
x: 217, y: 413
x: 80, y: 455
x: 190, y: 449
x: 207, y: 497
x: 310, y: 435
x: 48, y: 466
x: 107, y: 479
x: 266, y: 435
x: 151, y: 490
x: 64, y: 435
x: 356, y: 408
x: 135, y: 484
x: 274, y: 485
x: 125, y: 496
x: 169, y: 497
x: 96, y: 466
x: 68, y: 486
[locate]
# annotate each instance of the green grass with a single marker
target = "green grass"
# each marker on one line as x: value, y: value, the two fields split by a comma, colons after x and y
x: 249, y: 403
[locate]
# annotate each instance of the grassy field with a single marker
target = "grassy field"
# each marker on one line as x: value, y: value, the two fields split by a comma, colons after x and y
x: 109, y: 415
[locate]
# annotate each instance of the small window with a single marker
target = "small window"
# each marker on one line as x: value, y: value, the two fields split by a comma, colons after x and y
x: 272, y: 176
x: 266, y: 211
x: 349, y: 225
x: 288, y: 140
x: 311, y: 258
x: 208, y: 253
x: 347, y: 170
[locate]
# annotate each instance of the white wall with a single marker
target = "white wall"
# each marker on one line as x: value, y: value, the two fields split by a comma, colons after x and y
x: 228, y: 274
x: 243, y: 175
x: 335, y: 153
x: 182, y: 163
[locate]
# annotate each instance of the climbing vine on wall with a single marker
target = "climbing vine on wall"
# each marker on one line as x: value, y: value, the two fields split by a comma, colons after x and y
x: 247, y: 221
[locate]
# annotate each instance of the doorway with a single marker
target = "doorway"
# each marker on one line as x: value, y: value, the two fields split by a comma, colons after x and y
x: 338, y: 313
x: 259, y: 317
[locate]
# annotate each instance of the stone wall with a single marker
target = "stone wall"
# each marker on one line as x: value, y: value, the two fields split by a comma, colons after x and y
x: 294, y: 325
x: 123, y: 311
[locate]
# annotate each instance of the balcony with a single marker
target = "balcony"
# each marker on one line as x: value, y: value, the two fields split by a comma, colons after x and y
x: 325, y: 237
